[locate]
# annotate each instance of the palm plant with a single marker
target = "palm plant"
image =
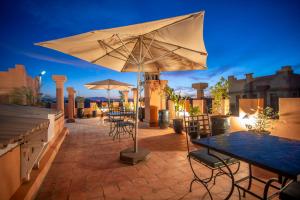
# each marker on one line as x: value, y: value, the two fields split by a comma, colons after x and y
x: 219, y: 92
x: 263, y: 120
x: 178, y: 100
x: 22, y: 95
x: 194, y: 111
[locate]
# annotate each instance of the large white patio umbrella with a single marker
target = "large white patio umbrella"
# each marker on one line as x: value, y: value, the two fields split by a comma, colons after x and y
x: 171, y: 44
x: 108, y: 85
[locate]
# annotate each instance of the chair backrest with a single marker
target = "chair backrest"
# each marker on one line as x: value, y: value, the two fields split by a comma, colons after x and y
x: 197, y: 127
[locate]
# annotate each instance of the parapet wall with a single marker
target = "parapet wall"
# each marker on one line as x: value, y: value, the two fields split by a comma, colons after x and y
x: 15, y: 78
x: 288, y: 124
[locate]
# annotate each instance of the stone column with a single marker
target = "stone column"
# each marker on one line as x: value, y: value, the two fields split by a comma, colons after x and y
x: 71, y: 104
x: 134, y: 95
x: 125, y: 93
x: 200, y: 89
x: 155, y: 100
x: 59, y: 80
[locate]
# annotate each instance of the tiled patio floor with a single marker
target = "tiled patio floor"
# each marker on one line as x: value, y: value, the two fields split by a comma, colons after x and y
x: 87, y: 167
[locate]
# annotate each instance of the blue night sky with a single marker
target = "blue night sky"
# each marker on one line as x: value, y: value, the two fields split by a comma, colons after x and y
x: 256, y: 36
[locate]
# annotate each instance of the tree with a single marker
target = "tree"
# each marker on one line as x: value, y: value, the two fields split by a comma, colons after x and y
x: 178, y: 100
x: 219, y: 92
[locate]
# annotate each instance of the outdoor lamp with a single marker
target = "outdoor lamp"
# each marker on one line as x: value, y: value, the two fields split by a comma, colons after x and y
x: 42, y: 73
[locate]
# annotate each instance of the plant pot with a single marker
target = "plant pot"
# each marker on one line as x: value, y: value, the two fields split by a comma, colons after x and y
x: 264, y: 132
x: 80, y: 112
x: 219, y: 124
x: 195, y: 133
x: 163, y: 119
x: 178, y: 125
x: 94, y: 113
x: 141, y: 114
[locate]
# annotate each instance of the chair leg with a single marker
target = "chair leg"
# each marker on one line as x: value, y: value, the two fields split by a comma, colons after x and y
x: 239, y: 192
x: 250, y: 180
x: 197, y: 179
x: 218, y: 174
x: 191, y: 184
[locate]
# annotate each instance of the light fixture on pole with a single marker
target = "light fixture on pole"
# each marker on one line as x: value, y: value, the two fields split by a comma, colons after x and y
x: 42, y: 73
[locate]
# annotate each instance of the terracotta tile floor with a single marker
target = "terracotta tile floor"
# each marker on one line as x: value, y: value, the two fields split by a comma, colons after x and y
x: 87, y: 167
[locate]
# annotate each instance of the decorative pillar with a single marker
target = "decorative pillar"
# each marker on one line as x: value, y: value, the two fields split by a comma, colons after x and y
x: 59, y: 80
x: 134, y: 95
x: 200, y: 101
x: 71, y: 104
x: 125, y: 93
x: 155, y: 100
x: 200, y: 89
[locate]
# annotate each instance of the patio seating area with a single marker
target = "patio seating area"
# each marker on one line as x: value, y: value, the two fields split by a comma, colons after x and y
x: 87, y: 166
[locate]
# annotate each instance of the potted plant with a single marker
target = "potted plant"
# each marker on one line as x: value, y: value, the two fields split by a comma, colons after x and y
x: 194, y: 111
x: 163, y: 114
x: 94, y: 107
x: 263, y: 121
x: 179, y: 102
x: 219, y: 119
x: 80, y: 106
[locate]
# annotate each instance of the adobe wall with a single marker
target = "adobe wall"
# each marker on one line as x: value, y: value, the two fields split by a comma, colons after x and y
x: 15, y: 78
x: 288, y: 124
x: 10, y: 173
x: 225, y: 107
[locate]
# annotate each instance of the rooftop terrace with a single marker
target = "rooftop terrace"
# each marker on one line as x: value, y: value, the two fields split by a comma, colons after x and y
x: 87, y: 167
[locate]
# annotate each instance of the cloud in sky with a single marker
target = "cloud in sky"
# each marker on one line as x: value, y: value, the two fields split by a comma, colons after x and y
x: 185, y: 91
x: 39, y: 56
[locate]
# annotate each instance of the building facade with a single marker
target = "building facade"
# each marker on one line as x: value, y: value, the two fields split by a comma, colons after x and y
x: 284, y: 83
x: 15, y: 85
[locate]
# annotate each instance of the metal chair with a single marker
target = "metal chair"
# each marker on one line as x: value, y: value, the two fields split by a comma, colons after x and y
x: 113, y: 119
x: 197, y: 127
x: 290, y: 192
x: 124, y: 125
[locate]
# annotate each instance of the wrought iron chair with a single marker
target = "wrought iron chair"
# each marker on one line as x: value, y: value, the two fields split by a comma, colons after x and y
x: 290, y: 191
x: 113, y: 119
x: 125, y: 124
x: 197, y: 127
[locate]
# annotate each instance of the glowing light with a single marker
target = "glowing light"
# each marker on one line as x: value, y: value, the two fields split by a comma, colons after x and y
x: 183, y: 114
x: 43, y: 73
x: 247, y: 120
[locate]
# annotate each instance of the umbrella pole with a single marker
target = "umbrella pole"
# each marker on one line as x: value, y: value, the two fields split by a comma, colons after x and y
x: 135, y: 154
x: 108, y: 95
x: 137, y: 112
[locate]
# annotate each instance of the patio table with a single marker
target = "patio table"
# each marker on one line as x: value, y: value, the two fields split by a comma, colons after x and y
x: 278, y: 155
x: 117, y: 118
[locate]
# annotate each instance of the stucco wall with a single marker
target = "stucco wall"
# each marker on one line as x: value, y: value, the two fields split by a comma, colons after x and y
x: 9, y: 173
x: 15, y: 78
x: 288, y: 124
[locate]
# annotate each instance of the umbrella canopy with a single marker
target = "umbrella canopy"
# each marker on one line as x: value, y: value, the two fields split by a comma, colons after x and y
x: 108, y: 84
x: 171, y: 44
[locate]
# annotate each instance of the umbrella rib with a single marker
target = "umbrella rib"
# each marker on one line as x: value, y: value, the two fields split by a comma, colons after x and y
x: 129, y: 52
x: 202, y: 53
x: 127, y: 61
x: 178, y: 55
x: 148, y: 48
x: 112, y: 49
x: 161, y: 57
x: 191, y: 15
